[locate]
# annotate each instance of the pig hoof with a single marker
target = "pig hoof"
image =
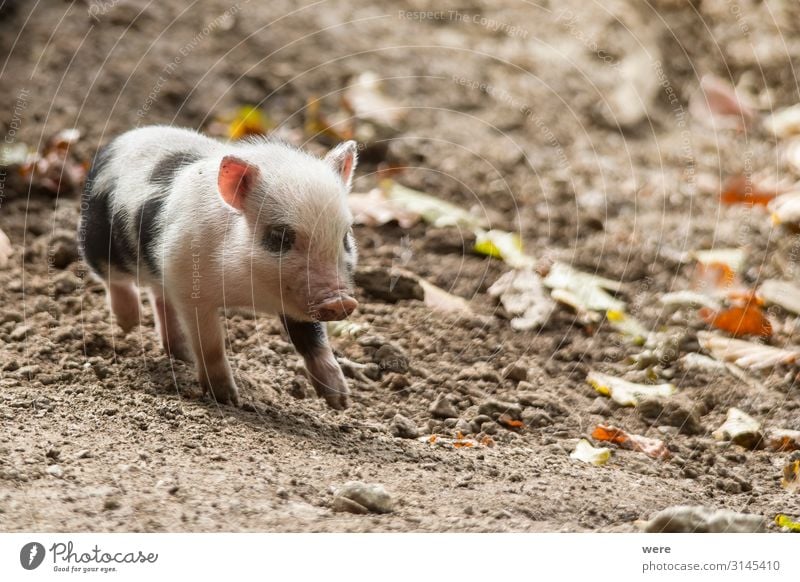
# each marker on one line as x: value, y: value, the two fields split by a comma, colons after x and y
x: 178, y: 352
x: 224, y: 391
x: 331, y: 385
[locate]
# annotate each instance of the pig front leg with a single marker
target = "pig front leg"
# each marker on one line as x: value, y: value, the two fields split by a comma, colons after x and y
x: 203, y: 327
x: 311, y: 342
x: 169, y: 328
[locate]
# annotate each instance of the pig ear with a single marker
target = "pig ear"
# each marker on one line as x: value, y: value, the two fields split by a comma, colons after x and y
x: 236, y: 181
x: 343, y: 158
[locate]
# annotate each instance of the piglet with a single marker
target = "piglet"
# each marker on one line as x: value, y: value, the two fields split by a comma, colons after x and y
x: 205, y: 224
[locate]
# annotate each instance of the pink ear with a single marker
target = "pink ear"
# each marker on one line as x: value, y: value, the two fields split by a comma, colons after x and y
x: 236, y: 180
x: 343, y: 158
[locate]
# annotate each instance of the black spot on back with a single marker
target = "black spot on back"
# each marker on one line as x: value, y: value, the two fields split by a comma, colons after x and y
x: 99, y: 164
x: 102, y: 237
x: 167, y: 168
x: 307, y: 336
x: 149, y: 229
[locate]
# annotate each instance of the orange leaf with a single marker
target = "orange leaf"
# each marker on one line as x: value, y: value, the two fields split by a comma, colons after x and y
x: 712, y: 277
x: 509, y: 422
x: 653, y: 448
x: 742, y: 189
x: 739, y: 320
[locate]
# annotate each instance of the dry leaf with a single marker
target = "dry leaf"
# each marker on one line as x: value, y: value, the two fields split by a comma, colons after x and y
x: 318, y: 125
x: 584, y: 292
x: 5, y: 250
x: 460, y: 442
x: 653, y: 448
x: 740, y: 428
x: 55, y: 169
x: 791, y: 476
x: 346, y: 328
x: 524, y: 299
x: 731, y: 258
x: 718, y: 105
x: 739, y: 320
x: 690, y: 299
x: 783, y: 440
x: 440, y: 300
x: 502, y: 245
x: 745, y: 354
x: 785, y: 521
x: 433, y: 210
x: 375, y: 209
x: 743, y: 189
x: 366, y: 101
x: 249, y: 120
x: 584, y: 451
x: 627, y: 325
x: 509, y: 422
x: 785, y: 208
x: 784, y: 123
x: 782, y: 293
x: 627, y: 393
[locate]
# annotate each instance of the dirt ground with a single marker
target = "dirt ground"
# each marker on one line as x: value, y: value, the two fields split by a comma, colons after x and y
x: 513, y: 110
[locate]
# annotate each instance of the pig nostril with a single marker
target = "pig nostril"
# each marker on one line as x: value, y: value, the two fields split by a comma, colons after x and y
x: 336, y: 309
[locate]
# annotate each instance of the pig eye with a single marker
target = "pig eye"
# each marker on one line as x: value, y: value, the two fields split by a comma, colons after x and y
x: 279, y: 239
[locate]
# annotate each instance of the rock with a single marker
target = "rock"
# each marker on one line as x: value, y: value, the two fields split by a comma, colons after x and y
x: 19, y: 333
x: 403, y: 427
x: 55, y: 471
x: 65, y: 283
x: 478, y: 421
x: 536, y: 418
x: 396, y: 382
x: 601, y: 406
x: 490, y: 427
x: 111, y: 503
x: 698, y: 519
x: 463, y: 426
x: 388, y: 285
x: 299, y: 388
x: 84, y: 454
x: 670, y: 413
x: 60, y: 246
x: 391, y: 358
x: 443, y: 407
x: 516, y: 372
x: 495, y: 408
x: 358, y: 497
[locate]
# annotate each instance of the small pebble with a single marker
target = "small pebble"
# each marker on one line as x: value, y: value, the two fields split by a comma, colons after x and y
x: 358, y: 497
x: 403, y: 427
x: 443, y: 407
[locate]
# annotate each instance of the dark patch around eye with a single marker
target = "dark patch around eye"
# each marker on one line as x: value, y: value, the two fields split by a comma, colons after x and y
x: 348, y: 246
x: 279, y: 239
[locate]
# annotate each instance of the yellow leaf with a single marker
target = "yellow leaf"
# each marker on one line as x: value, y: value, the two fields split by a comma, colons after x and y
x: 249, y: 120
x: 782, y: 520
x: 584, y: 451
x: 627, y: 393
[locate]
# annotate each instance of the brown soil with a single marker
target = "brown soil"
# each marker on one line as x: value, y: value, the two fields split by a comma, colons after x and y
x: 139, y: 448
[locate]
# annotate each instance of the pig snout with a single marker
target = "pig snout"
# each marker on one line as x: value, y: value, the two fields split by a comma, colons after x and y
x: 334, y: 308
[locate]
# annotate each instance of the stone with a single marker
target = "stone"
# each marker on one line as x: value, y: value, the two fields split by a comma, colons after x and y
x: 403, y: 427
x: 358, y: 497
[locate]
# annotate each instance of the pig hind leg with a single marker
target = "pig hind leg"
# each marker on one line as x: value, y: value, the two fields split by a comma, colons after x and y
x: 204, y: 330
x: 169, y: 328
x: 123, y: 298
x: 311, y: 342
